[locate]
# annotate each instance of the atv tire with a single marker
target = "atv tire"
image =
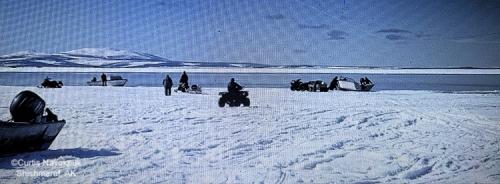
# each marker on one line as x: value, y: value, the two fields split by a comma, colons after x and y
x: 222, y: 102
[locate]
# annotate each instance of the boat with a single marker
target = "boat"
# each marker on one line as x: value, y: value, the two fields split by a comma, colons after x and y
x: 114, y: 80
x: 349, y: 84
x: 18, y: 137
x: 28, y: 130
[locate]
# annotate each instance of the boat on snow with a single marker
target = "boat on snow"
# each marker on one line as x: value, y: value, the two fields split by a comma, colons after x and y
x: 17, y: 137
x: 349, y: 84
x: 28, y: 130
x: 114, y: 80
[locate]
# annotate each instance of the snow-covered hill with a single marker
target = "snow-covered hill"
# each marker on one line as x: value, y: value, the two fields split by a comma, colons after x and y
x: 103, y: 57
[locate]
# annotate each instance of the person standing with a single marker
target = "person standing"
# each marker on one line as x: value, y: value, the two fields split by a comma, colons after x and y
x: 167, y: 84
x: 334, y: 83
x: 183, y: 82
x: 104, y: 79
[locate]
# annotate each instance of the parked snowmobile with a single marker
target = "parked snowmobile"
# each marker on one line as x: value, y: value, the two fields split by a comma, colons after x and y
x: 349, y: 84
x: 114, y: 80
x: 194, y: 89
x: 314, y: 86
x: 48, y: 83
x: 297, y: 85
x: 234, y: 99
x: 29, y: 130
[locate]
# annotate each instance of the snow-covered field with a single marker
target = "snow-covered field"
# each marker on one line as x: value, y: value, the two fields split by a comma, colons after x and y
x: 137, y: 135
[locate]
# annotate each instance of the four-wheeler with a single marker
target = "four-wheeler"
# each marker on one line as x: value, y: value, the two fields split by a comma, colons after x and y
x: 234, y: 99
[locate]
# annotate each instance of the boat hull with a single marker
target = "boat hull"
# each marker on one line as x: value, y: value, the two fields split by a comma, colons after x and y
x: 353, y: 86
x: 121, y: 82
x: 348, y: 86
x: 18, y: 137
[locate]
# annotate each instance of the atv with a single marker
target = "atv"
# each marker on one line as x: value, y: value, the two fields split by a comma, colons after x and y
x: 234, y: 99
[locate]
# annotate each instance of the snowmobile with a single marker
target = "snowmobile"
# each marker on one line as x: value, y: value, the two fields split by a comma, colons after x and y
x: 29, y: 130
x: 48, y: 83
x: 314, y: 86
x: 297, y: 85
x: 195, y: 89
x: 234, y: 99
x: 349, y: 84
x: 114, y: 80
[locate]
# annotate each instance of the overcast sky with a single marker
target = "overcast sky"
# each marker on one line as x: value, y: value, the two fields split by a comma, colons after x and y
x: 402, y: 33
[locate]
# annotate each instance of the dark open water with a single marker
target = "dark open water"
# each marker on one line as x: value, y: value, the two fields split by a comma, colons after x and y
x: 266, y: 80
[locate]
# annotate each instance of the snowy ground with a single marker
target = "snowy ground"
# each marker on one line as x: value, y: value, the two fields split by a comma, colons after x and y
x: 137, y: 135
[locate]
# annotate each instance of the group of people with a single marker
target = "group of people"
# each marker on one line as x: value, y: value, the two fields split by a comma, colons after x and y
x: 184, y: 84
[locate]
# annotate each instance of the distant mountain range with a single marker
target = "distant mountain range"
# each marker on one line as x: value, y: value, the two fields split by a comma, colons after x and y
x: 106, y: 58
x: 113, y: 58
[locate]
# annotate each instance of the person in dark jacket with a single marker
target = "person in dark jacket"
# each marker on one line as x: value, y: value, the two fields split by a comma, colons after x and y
x: 167, y: 84
x: 233, y: 87
x: 104, y: 79
x: 184, y: 78
x: 333, y: 84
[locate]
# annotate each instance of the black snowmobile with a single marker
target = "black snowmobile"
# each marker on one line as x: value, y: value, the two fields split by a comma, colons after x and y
x: 29, y: 130
x: 312, y: 86
x: 297, y: 85
x: 195, y: 89
x: 317, y: 85
x: 48, y: 83
x: 234, y: 99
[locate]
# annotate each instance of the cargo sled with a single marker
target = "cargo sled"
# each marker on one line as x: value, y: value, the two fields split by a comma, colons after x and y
x: 29, y: 130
